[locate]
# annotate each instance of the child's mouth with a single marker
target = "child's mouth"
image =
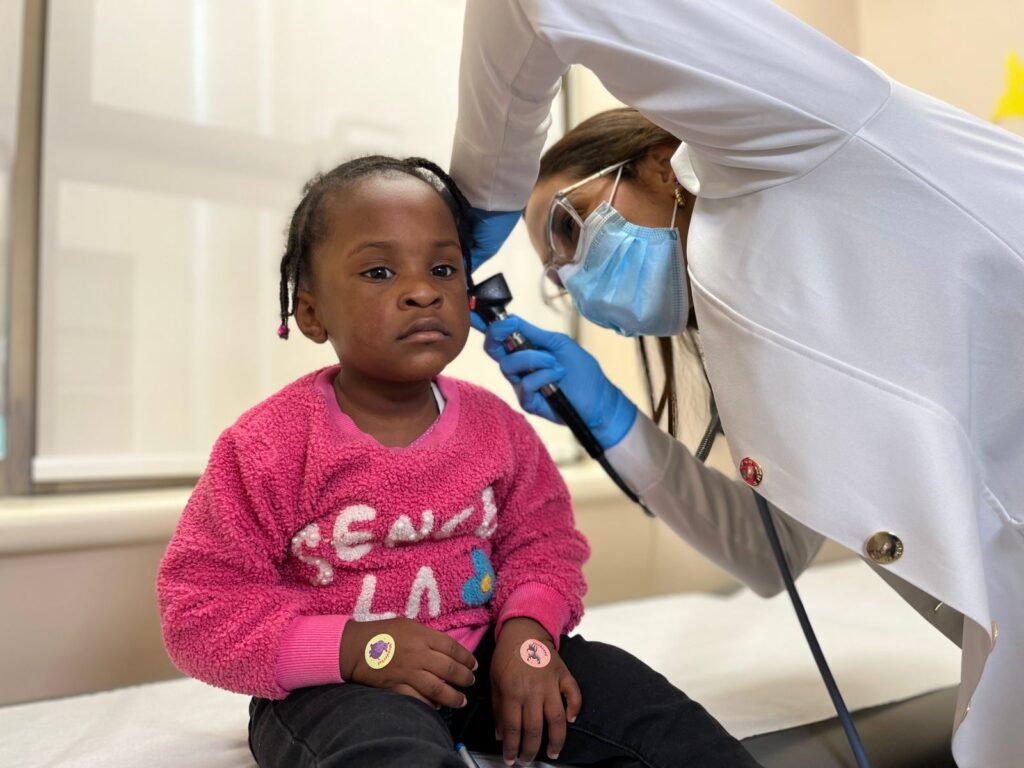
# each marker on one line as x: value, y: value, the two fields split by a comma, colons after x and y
x: 424, y: 330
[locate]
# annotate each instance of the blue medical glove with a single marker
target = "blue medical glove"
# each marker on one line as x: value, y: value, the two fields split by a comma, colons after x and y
x: 559, y: 360
x: 490, y: 230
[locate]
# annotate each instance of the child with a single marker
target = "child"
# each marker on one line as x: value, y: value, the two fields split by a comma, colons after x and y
x: 386, y: 558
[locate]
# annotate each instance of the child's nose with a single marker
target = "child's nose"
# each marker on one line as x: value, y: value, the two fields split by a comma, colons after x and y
x: 421, y: 293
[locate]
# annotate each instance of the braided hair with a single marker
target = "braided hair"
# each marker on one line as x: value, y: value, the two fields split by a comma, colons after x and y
x: 309, y: 225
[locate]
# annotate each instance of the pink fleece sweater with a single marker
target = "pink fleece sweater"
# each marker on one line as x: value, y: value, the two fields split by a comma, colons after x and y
x: 301, y: 522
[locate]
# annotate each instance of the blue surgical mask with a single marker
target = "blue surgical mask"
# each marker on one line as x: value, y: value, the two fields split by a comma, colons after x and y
x: 627, y: 277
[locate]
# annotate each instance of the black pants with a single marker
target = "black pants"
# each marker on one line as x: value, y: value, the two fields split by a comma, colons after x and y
x: 631, y: 716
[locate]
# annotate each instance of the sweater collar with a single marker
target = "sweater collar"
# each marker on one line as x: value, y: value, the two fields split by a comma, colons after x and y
x: 435, y: 434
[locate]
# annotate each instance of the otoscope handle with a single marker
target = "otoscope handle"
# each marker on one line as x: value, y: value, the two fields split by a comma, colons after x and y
x: 489, y: 299
x: 560, y: 403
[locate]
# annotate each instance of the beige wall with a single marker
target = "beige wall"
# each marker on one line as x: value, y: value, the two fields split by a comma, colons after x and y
x: 77, y: 581
x: 81, y: 615
x: 949, y: 49
x: 79, y: 621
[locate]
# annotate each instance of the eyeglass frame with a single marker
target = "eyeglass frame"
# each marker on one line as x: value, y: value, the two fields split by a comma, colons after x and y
x: 560, y: 200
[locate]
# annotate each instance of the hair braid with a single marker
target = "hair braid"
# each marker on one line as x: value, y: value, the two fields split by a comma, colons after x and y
x: 308, y: 225
x: 460, y: 209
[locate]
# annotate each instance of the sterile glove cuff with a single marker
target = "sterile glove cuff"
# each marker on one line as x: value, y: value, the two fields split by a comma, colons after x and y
x: 619, y: 420
x: 490, y: 230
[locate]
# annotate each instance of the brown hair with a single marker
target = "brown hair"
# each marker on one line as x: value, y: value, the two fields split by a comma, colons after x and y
x: 594, y: 144
x: 599, y: 141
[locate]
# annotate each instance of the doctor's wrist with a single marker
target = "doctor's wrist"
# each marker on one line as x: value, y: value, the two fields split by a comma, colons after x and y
x: 616, y: 421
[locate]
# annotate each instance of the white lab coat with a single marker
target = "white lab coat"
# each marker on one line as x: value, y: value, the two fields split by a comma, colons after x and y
x: 857, y: 264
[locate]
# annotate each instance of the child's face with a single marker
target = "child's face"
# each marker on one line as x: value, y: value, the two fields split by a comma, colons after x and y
x: 389, y: 287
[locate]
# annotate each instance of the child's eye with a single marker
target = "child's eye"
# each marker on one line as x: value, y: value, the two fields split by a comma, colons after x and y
x: 443, y: 270
x: 378, y: 273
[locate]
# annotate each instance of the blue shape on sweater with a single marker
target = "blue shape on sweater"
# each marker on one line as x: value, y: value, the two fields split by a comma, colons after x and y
x: 479, y: 588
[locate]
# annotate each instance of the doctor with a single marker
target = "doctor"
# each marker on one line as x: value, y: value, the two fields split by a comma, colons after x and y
x: 855, y: 263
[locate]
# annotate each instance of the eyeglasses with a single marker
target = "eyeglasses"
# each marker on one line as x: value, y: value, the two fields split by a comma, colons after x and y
x: 565, y: 222
x: 564, y: 225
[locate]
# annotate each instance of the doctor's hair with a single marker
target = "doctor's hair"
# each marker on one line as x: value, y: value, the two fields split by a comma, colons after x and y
x: 309, y: 224
x: 603, y: 139
x: 599, y: 141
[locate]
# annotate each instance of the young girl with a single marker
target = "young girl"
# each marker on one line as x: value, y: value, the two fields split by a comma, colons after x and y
x: 385, y: 558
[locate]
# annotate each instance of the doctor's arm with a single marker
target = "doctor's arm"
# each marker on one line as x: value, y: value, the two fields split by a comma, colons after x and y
x: 713, y: 513
x: 756, y: 94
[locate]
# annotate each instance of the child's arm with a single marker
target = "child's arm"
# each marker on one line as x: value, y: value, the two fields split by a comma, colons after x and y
x: 425, y: 665
x: 229, y: 620
x: 223, y: 607
x: 538, y: 559
x: 528, y: 685
x: 538, y: 553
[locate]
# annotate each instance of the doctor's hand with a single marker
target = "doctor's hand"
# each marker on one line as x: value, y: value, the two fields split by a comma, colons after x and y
x: 526, y: 696
x: 421, y: 662
x: 559, y: 360
x: 490, y: 231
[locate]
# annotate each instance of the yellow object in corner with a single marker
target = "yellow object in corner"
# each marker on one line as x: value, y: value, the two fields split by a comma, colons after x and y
x: 1011, y: 104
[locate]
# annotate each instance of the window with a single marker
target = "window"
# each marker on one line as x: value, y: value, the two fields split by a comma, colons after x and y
x: 176, y: 139
x: 10, y: 79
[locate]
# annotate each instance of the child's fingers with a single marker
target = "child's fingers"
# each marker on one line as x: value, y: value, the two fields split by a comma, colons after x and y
x: 496, y: 710
x: 554, y: 717
x: 408, y: 690
x: 511, y: 719
x: 573, y: 698
x: 447, y: 669
x: 451, y: 647
x: 436, y: 691
x: 532, y: 729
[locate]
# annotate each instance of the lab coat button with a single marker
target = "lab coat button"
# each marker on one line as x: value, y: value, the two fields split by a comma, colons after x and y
x: 884, y: 547
x: 751, y: 472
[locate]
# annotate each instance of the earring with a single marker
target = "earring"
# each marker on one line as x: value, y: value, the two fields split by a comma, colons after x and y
x: 678, y: 192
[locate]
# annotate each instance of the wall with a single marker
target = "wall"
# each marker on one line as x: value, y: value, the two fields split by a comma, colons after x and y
x: 77, y: 573
x: 952, y: 50
x: 77, y: 577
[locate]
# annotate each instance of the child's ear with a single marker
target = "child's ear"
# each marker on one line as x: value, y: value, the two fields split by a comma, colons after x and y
x: 306, y: 318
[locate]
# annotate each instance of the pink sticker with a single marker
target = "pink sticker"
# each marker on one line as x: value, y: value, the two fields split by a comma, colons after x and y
x: 535, y: 653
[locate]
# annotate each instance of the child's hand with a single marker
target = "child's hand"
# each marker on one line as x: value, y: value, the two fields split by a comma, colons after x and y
x: 526, y: 695
x: 425, y: 663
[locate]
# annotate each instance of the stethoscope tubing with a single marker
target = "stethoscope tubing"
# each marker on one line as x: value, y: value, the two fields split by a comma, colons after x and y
x: 849, y: 728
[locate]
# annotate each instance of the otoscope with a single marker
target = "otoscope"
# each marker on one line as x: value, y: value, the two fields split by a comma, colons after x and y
x: 491, y: 297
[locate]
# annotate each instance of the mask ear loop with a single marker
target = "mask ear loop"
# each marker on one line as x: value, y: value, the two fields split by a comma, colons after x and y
x: 615, y: 186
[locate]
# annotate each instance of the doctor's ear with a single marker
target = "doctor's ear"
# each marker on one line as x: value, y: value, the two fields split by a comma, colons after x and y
x: 306, y: 317
x: 655, y: 167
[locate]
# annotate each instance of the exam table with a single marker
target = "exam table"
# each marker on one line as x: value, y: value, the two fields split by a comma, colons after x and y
x: 743, y: 657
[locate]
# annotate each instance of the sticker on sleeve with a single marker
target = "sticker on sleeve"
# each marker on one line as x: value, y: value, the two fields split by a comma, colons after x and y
x: 379, y: 651
x: 535, y: 653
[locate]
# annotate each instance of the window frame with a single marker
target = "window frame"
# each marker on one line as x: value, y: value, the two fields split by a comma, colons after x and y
x: 25, y: 211
x: 23, y: 256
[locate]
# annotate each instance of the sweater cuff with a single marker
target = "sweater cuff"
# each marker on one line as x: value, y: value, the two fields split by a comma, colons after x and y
x: 539, y: 602
x: 310, y: 651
